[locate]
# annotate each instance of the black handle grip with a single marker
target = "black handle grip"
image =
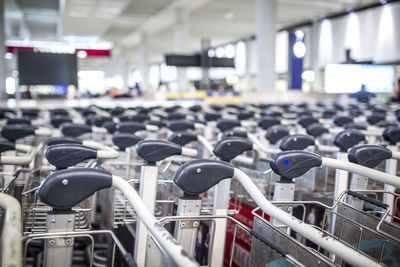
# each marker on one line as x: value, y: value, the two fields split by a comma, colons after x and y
x: 116, y: 111
x: 62, y: 140
x: 296, y: 142
x: 30, y: 112
x: 268, y: 121
x: 306, y: 121
x: 17, y: 131
x: 58, y: 112
x: 97, y: 121
x: 211, y: 116
x: 175, y: 116
x: 156, y: 150
x: 375, y: 118
x: 195, y: 108
x: 182, y: 138
x: 64, y: 156
x: 235, y: 133
x: 124, y: 140
x: 56, y: 121
x: 392, y: 134
x: 276, y: 133
x: 369, y: 155
x: 368, y: 199
x: 342, y: 120
x: 328, y: 113
x: 293, y: 164
x: 64, y: 189
x: 130, y: 127
x: 11, y: 121
x: 6, y: 146
x: 75, y: 129
x: 347, y: 139
x: 229, y: 148
x: 227, y: 124
x: 180, y: 125
x: 137, y: 118
x: 245, y: 115
x: 316, y: 130
x: 197, y: 176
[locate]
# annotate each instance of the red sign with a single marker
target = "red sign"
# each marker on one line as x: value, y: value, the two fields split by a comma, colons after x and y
x: 89, y: 52
x: 242, y: 245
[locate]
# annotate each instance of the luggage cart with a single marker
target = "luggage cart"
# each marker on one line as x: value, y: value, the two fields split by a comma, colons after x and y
x: 186, y: 179
x: 59, y: 192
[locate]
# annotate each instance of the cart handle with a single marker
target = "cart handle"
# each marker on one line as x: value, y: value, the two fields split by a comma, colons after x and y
x: 230, y: 147
x: 348, y: 138
x: 276, y: 133
x: 125, y: 140
x: 227, y: 124
x: 296, y: 142
x: 182, y: 138
x: 267, y: 122
x: 369, y: 155
x: 180, y: 125
x: 155, y: 150
x: 306, y: 120
x: 316, y: 129
x: 392, y: 134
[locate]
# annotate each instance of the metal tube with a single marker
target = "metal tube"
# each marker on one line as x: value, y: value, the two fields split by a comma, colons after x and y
x: 308, y: 231
x: 159, y: 233
x: 11, y: 235
x: 361, y: 170
x: 206, y: 144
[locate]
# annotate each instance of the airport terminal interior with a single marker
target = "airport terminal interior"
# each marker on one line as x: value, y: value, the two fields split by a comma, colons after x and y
x: 220, y: 133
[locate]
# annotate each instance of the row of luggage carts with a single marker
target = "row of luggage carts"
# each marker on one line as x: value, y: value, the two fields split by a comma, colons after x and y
x: 306, y: 184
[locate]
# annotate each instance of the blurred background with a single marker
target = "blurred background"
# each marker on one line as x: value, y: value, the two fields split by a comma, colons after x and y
x: 204, y: 49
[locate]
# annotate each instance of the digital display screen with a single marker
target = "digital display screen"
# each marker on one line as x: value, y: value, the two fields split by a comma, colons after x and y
x: 37, y: 68
x: 348, y: 78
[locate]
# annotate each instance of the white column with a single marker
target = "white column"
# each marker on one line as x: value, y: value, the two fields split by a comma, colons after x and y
x: 248, y: 64
x: 265, y: 43
x: 205, y: 45
x: 314, y: 54
x: 181, y: 33
x: 2, y: 52
x: 123, y: 58
x: 144, y: 64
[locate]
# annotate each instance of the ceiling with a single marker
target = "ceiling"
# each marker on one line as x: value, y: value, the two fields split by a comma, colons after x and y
x: 124, y: 21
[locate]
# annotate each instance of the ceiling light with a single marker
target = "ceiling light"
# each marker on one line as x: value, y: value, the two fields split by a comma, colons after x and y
x: 383, y: 2
x: 220, y: 51
x: 299, y: 49
x: 229, y: 51
x: 299, y: 35
x: 211, y: 53
x: 8, y: 55
x: 82, y: 54
x: 229, y: 14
